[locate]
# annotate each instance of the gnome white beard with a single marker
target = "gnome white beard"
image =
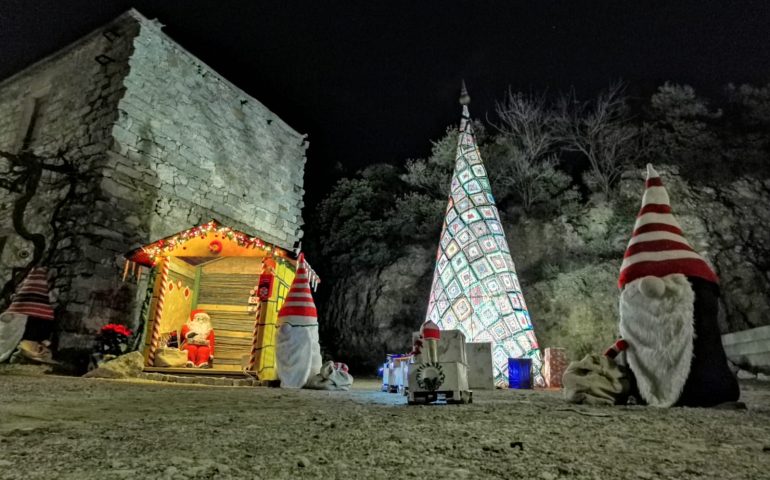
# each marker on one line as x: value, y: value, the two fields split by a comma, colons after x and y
x: 660, y: 333
x: 298, y: 354
x: 12, y: 327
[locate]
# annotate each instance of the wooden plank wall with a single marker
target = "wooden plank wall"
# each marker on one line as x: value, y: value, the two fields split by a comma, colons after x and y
x: 266, y: 368
x: 224, y: 294
x: 178, y: 271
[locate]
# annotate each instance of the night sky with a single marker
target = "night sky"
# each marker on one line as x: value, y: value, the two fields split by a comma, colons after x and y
x: 374, y: 81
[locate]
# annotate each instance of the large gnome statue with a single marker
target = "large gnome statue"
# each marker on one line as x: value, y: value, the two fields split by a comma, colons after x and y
x: 198, y: 340
x: 298, y: 353
x: 668, y: 312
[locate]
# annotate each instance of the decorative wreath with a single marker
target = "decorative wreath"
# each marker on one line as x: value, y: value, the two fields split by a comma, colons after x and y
x: 430, y: 376
x: 215, y: 246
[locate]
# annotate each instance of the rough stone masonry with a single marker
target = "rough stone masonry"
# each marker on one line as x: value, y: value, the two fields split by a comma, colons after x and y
x: 120, y: 139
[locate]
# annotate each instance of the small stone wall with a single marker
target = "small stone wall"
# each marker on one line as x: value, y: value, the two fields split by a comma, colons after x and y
x: 749, y: 349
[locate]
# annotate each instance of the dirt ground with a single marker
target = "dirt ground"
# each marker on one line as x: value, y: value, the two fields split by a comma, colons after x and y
x: 74, y: 428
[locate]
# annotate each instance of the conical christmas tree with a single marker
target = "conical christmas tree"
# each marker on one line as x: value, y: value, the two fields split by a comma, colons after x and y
x: 475, y: 287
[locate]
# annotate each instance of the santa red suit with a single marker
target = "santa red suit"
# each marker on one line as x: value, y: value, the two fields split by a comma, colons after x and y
x: 198, y: 339
x: 668, y: 312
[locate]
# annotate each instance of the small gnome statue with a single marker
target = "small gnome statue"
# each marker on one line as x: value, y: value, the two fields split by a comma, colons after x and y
x: 668, y: 312
x: 431, y: 335
x: 297, y: 351
x: 430, y: 375
x: 198, y: 340
x: 30, y: 307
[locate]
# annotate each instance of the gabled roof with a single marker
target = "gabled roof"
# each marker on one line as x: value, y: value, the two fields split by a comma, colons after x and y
x: 210, y: 239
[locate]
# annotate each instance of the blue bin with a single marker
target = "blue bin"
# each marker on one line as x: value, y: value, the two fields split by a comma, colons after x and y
x: 519, y: 373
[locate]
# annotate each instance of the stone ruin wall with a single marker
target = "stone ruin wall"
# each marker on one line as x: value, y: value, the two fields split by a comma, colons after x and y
x: 65, y: 107
x: 158, y: 143
x: 190, y: 146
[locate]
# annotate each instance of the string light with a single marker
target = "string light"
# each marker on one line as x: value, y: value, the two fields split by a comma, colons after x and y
x: 164, y: 246
x: 151, y: 254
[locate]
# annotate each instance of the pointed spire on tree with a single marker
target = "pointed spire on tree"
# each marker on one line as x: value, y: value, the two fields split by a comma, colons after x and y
x: 465, y: 99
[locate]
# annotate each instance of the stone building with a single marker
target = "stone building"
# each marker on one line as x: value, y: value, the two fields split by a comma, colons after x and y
x: 121, y: 138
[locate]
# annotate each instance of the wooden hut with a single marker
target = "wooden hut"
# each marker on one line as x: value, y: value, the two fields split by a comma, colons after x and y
x: 217, y: 269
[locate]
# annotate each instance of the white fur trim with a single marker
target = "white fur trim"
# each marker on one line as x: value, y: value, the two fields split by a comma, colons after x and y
x: 298, y: 303
x: 660, y: 334
x: 658, y: 257
x: 652, y: 236
x: 656, y: 195
x: 300, y: 295
x: 666, y: 218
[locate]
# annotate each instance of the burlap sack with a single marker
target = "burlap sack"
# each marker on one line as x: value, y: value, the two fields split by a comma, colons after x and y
x: 596, y: 380
x: 330, y: 378
x: 170, y: 357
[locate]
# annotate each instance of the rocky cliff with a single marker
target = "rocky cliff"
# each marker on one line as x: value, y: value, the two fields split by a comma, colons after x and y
x: 568, y: 266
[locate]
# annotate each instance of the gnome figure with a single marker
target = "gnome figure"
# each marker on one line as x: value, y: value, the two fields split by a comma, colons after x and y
x: 198, y: 340
x: 31, y: 303
x: 668, y: 312
x: 298, y: 353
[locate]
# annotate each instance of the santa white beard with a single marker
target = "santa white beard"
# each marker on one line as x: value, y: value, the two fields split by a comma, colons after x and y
x: 201, y: 328
x: 298, y: 354
x: 660, y: 333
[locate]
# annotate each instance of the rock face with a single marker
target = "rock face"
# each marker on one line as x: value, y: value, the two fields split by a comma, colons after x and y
x: 568, y: 267
x: 123, y: 138
x: 125, y: 366
x: 372, y: 313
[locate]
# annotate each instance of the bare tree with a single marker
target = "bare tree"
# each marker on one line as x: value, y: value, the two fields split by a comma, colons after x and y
x: 601, y: 129
x: 527, y: 167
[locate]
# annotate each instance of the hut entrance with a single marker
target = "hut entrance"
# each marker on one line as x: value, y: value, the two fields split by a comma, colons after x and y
x: 217, y: 270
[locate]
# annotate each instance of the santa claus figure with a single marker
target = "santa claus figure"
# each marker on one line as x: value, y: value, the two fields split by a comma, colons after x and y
x: 198, y: 340
x: 668, y: 312
x: 298, y: 353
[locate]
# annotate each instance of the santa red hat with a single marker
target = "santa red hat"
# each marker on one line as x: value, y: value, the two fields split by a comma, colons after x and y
x: 31, y: 298
x: 198, y: 312
x: 658, y: 247
x: 299, y: 307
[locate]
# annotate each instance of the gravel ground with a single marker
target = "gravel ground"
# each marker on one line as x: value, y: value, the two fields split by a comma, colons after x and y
x: 74, y: 428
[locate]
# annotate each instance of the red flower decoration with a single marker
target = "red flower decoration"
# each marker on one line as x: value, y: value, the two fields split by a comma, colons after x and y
x: 215, y: 246
x: 116, y: 328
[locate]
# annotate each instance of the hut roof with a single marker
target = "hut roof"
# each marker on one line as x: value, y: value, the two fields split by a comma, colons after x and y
x: 210, y: 239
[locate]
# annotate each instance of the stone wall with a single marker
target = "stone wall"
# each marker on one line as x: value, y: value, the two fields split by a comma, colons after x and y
x: 131, y: 139
x: 190, y: 146
x: 56, y: 119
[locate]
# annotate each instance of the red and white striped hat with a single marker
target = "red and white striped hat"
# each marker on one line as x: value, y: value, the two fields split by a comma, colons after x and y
x: 299, y: 307
x: 658, y: 247
x: 430, y: 331
x: 32, y: 298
